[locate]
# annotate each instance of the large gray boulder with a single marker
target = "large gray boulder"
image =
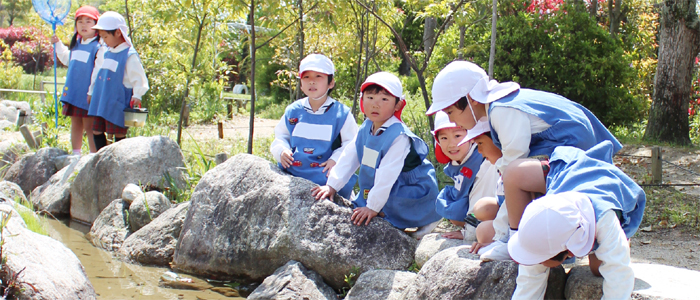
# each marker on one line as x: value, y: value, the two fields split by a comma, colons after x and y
x: 10, y: 152
x: 381, y: 285
x: 6, y: 124
x: 293, y: 281
x: 111, y: 227
x: 47, y: 265
x: 54, y: 196
x: 248, y: 218
x: 455, y: 273
x: 146, y: 208
x: 33, y: 169
x: 433, y: 243
x: 139, y: 160
x: 652, y: 281
x: 12, y: 191
x: 154, y: 244
x: 8, y: 113
x: 22, y: 106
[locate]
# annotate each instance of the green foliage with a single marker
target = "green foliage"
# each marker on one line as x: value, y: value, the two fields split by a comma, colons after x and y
x: 414, y: 267
x: 10, y: 73
x: 350, y: 280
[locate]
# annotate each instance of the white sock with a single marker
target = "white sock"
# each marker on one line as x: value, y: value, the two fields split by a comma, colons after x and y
x: 511, y: 232
x: 76, y: 151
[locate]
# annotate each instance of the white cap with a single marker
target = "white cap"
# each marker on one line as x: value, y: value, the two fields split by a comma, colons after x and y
x: 442, y: 121
x: 552, y: 224
x: 111, y: 21
x: 461, y: 78
x: 480, y: 128
x: 316, y: 62
x: 388, y: 81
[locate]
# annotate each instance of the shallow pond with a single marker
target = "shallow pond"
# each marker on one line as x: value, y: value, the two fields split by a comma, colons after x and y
x: 114, y: 279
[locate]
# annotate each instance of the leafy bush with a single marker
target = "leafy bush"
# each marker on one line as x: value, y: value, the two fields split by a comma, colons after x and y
x: 10, y: 73
x: 31, y: 49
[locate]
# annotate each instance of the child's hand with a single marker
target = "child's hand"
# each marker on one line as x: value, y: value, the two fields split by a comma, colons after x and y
x: 89, y: 98
x: 328, y: 165
x: 286, y: 158
x: 476, y: 246
x: 54, y: 39
x: 360, y: 214
x: 135, y: 102
x: 322, y: 192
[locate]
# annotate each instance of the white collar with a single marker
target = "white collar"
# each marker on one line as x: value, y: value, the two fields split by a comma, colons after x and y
x: 321, y: 109
x: 87, y: 41
x: 119, y: 48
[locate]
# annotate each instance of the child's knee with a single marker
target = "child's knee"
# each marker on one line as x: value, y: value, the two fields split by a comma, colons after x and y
x: 486, y: 208
x: 485, y: 232
x: 594, y: 263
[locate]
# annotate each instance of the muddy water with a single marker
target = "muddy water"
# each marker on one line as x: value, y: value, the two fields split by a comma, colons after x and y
x: 113, y: 279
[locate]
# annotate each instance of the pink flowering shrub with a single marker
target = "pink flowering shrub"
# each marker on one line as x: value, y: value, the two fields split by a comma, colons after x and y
x: 31, y: 50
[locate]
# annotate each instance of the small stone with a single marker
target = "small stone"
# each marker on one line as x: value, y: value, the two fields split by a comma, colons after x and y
x: 131, y: 192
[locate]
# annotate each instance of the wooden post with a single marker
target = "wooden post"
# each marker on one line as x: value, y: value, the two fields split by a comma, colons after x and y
x: 27, y: 134
x: 656, y: 165
x: 221, y: 129
x: 221, y: 158
x: 229, y: 108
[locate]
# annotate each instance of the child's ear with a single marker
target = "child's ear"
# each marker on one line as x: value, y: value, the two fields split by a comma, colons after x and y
x: 332, y: 84
x: 400, y: 105
x: 118, y: 33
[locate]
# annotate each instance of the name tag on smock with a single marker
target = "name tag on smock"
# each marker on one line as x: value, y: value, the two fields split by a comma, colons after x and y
x: 369, y: 157
x: 313, y: 131
x: 80, y: 55
x: 110, y: 64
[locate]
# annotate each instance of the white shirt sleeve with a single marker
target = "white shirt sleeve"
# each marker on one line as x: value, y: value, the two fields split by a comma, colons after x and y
x: 345, y: 166
x: 531, y: 282
x: 388, y: 172
x: 135, y: 77
x: 99, y: 59
x: 281, y: 142
x: 62, y: 52
x: 614, y: 253
x: 347, y: 135
x: 514, y: 132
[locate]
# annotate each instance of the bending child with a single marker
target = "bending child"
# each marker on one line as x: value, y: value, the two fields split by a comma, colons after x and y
x: 590, y: 207
x: 396, y: 180
x: 119, y: 83
x: 79, y: 56
x: 314, y: 130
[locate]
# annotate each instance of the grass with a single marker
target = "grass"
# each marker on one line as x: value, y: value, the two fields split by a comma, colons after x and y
x: 34, y: 222
x: 668, y: 207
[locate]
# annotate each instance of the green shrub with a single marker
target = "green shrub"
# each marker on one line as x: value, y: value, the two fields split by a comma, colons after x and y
x: 10, y: 73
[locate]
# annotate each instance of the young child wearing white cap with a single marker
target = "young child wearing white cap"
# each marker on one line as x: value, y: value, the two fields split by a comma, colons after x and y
x: 474, y: 178
x: 523, y: 122
x: 120, y: 82
x: 314, y: 130
x: 590, y: 207
x: 396, y: 180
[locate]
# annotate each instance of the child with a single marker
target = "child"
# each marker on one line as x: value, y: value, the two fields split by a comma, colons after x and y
x: 590, y: 206
x: 523, y: 122
x: 473, y: 178
x: 119, y: 82
x: 396, y: 180
x: 80, y: 59
x: 314, y: 130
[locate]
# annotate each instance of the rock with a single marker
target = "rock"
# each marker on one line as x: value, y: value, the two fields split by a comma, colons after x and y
x: 111, y: 227
x: 138, y: 160
x: 248, y: 218
x: 433, y: 243
x: 33, y: 169
x: 6, y: 124
x: 47, y: 265
x: 146, y: 208
x: 455, y: 273
x: 131, y: 192
x: 652, y: 281
x: 154, y: 244
x: 380, y: 285
x: 12, y: 191
x: 22, y: 106
x: 10, y: 151
x: 8, y: 113
x: 54, y: 196
x: 63, y: 161
x: 293, y: 281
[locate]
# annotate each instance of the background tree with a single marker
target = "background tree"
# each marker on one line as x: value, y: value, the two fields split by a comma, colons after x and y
x: 16, y: 9
x: 679, y: 43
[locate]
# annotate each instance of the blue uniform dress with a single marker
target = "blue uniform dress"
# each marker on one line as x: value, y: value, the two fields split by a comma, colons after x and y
x: 82, y: 61
x: 571, y: 123
x: 313, y: 139
x: 109, y: 95
x: 593, y: 174
x: 411, y: 201
x: 453, y: 201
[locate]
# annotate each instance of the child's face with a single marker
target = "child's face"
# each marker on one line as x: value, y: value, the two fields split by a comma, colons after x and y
x: 111, y: 40
x: 488, y: 149
x: 380, y: 106
x: 449, y: 139
x: 315, y: 84
x: 462, y: 118
x: 83, y: 25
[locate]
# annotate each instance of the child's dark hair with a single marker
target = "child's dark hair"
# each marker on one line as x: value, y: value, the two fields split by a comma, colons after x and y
x: 462, y: 103
x: 330, y: 79
x: 375, y: 88
x: 74, y: 39
x: 561, y: 256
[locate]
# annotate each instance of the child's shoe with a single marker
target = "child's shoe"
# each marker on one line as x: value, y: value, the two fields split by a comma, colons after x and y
x: 422, y: 231
x: 495, y: 251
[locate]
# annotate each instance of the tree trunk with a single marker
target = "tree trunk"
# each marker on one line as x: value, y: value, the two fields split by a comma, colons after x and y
x: 593, y: 9
x: 615, y: 16
x: 679, y: 43
x: 358, y: 69
x: 128, y: 22
x: 183, y: 115
x: 251, y: 124
x: 300, y: 7
x: 492, y: 55
x: 462, y: 32
x: 429, y: 33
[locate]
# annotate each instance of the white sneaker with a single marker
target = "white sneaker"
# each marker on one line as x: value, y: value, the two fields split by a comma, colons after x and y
x: 424, y: 230
x: 468, y: 234
x: 496, y: 251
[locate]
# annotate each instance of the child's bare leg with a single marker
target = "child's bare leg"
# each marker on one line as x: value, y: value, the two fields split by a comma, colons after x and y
x: 76, y: 133
x: 459, y: 224
x: 485, y: 232
x: 522, y: 178
x: 486, y: 208
x: 87, y: 128
x: 594, y: 263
